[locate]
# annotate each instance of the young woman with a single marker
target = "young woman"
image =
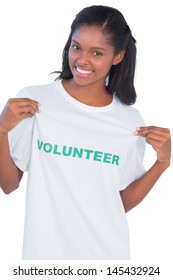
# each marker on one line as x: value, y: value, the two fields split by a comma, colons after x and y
x: 84, y: 149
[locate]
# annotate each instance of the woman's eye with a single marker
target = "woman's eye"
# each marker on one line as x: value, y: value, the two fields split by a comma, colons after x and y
x: 97, y: 53
x: 75, y: 47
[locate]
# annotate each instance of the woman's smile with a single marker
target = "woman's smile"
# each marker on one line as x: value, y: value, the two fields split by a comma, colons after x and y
x: 90, y: 56
x: 82, y: 72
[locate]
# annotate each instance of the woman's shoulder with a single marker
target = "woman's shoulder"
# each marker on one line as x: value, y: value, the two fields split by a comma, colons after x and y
x: 32, y: 90
x: 41, y: 93
x: 130, y: 112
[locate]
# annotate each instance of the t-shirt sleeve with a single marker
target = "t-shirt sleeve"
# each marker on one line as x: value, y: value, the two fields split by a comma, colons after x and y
x: 133, y: 168
x: 20, y: 139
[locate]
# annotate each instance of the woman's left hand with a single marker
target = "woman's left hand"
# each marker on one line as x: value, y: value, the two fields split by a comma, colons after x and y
x: 160, y: 139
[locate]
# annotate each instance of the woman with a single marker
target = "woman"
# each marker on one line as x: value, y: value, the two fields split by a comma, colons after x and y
x: 84, y: 149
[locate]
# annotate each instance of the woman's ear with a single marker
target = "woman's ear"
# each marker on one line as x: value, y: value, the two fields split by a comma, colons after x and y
x: 119, y: 57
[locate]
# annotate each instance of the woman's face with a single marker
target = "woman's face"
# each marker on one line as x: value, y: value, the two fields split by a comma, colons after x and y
x: 90, y: 55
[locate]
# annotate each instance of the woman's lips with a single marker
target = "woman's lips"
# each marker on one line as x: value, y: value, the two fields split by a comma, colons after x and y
x: 83, y: 72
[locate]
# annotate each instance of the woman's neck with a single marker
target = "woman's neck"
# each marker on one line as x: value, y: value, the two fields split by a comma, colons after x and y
x: 90, y: 95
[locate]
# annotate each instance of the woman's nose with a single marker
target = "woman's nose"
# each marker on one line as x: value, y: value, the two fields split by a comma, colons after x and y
x: 83, y: 58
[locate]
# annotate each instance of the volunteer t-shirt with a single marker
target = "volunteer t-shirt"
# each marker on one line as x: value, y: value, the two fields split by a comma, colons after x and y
x: 78, y: 158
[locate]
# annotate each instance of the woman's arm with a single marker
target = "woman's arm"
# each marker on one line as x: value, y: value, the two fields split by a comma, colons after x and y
x: 14, y: 112
x: 160, y: 140
x: 10, y: 175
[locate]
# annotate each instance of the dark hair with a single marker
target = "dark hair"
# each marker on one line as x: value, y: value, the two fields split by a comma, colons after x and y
x: 110, y: 21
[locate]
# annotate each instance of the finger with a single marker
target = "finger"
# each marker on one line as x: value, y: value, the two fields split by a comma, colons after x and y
x: 144, y: 131
x: 153, y: 142
x: 26, y: 115
x: 25, y: 109
x: 154, y: 136
x: 23, y: 106
x: 22, y: 100
x: 159, y: 143
x: 163, y: 151
x: 153, y: 128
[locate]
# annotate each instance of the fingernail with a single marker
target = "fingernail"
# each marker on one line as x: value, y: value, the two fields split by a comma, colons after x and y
x: 135, y: 132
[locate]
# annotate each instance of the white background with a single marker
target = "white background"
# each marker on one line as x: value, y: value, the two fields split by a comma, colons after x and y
x: 32, y: 35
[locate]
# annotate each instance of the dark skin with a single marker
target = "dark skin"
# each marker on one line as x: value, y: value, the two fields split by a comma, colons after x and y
x: 16, y: 110
x: 10, y: 176
x: 160, y: 140
x: 89, y: 65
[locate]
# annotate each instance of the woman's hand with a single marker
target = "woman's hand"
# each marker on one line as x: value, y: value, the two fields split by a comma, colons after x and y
x: 15, y: 111
x: 160, y: 139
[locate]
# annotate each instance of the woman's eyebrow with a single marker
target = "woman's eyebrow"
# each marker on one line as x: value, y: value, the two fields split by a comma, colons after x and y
x: 98, y: 48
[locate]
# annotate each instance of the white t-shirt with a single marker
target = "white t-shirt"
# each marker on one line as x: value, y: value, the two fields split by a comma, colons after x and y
x: 78, y: 159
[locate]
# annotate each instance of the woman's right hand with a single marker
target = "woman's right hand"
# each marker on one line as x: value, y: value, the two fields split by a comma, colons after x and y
x: 16, y: 110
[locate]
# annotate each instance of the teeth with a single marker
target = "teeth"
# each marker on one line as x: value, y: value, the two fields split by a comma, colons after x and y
x: 83, y: 71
